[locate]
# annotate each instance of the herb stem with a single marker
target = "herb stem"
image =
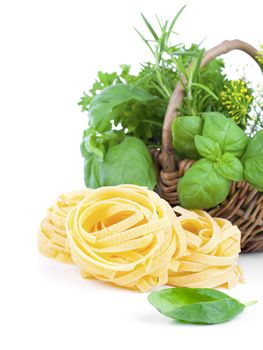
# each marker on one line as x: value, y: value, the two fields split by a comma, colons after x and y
x: 162, y: 84
x: 152, y: 122
x: 250, y: 303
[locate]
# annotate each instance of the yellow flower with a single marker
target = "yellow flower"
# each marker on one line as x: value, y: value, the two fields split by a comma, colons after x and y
x: 237, y: 99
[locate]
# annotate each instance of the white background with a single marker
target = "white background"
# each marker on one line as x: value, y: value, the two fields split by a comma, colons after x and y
x: 50, y: 53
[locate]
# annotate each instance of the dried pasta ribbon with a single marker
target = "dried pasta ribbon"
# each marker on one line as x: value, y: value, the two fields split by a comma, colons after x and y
x: 125, y: 235
x: 214, y: 246
x: 52, y: 237
x: 129, y: 236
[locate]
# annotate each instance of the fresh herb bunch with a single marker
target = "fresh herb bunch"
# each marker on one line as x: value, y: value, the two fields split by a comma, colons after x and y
x: 220, y: 144
x: 121, y: 105
x: 224, y: 153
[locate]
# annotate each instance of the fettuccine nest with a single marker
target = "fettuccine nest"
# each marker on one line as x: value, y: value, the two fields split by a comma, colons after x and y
x: 129, y: 236
x: 52, y: 236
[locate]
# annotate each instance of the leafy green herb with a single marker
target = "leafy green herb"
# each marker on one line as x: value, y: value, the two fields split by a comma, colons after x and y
x: 207, y: 89
x: 93, y: 148
x: 213, y: 78
x: 230, y: 167
x: 113, y: 158
x: 253, y: 162
x: 91, y: 144
x: 225, y: 132
x: 253, y: 170
x: 135, y: 104
x: 184, y: 130
x: 221, y: 142
x: 196, y: 305
x: 143, y: 117
x: 255, y: 147
x: 102, y: 105
x: 129, y: 162
x: 98, y: 143
x: 93, y: 171
x: 202, y: 187
x: 207, y: 148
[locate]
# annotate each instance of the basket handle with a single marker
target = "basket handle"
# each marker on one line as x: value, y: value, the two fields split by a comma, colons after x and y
x: 176, y: 100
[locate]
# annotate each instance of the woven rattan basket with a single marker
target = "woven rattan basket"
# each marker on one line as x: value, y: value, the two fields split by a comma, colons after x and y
x: 244, y: 205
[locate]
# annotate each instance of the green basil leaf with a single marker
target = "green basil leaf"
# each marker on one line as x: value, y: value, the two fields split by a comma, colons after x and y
x: 83, y: 150
x: 230, y: 167
x: 184, y: 130
x: 93, y: 147
x: 103, y: 104
x: 202, y: 187
x: 93, y: 171
x: 230, y: 137
x: 255, y: 146
x: 112, y: 138
x: 129, y: 163
x: 207, y: 148
x: 196, y: 305
x: 98, y: 143
x: 253, y: 162
x: 253, y: 172
x: 84, y: 147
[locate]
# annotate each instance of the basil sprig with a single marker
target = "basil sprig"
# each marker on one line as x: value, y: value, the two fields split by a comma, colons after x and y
x: 113, y: 158
x: 196, y: 305
x: 221, y: 143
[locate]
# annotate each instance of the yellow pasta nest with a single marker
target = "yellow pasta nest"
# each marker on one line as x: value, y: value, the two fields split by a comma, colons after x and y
x: 126, y: 235
x: 213, y: 247
x: 52, y: 235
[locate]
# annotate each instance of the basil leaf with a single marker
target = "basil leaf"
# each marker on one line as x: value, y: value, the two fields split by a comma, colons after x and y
x: 184, y: 130
x: 207, y: 148
x: 103, y: 104
x: 253, y: 172
x: 93, y: 171
x: 129, y: 163
x: 253, y: 162
x: 196, y: 305
x: 98, y: 144
x: 202, y: 187
x: 255, y: 146
x: 92, y: 146
x: 230, y: 137
x: 230, y: 167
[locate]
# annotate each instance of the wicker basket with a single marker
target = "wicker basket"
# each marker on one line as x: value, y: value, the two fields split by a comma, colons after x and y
x: 244, y: 205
